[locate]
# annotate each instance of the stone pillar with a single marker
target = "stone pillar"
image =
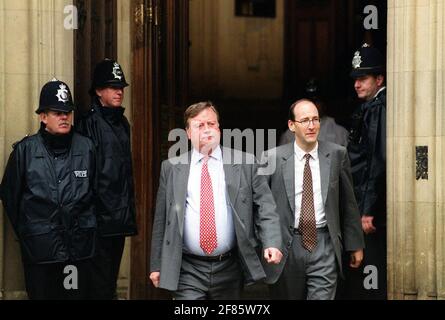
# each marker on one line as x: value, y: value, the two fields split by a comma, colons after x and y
x: 2, y: 135
x: 34, y: 48
x: 416, y: 190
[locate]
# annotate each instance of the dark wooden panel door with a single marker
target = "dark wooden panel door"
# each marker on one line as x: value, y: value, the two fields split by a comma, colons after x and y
x: 321, y: 37
x: 94, y: 40
x: 144, y: 28
x: 159, y: 90
x: 311, y: 28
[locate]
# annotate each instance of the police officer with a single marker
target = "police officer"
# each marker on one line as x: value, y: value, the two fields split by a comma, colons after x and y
x: 107, y: 126
x: 47, y: 192
x: 367, y: 151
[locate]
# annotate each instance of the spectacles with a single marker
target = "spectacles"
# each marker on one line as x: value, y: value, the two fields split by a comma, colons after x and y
x: 305, y: 122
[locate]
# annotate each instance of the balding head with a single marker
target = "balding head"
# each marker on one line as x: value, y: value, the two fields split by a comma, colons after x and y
x: 304, y: 122
x: 298, y: 104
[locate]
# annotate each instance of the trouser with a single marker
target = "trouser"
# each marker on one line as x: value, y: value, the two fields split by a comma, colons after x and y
x: 369, y: 281
x: 308, y: 275
x: 209, y: 280
x: 57, y: 281
x: 105, y: 267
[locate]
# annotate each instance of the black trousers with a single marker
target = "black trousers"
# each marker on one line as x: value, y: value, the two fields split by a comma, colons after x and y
x: 105, y: 267
x: 354, y: 286
x: 58, y: 281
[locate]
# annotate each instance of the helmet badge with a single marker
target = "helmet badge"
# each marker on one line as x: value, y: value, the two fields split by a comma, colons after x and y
x: 62, y: 94
x: 357, y: 60
x: 117, y: 71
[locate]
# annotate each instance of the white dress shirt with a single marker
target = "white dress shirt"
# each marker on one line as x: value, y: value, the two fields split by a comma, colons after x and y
x: 314, y: 163
x: 225, y: 229
x: 381, y: 89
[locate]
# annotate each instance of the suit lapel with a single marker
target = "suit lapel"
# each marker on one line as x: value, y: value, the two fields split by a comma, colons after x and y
x: 288, y: 168
x: 325, y: 169
x: 232, y: 177
x: 180, y: 183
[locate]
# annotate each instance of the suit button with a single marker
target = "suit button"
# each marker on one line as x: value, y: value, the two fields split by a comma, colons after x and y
x: 168, y: 242
x: 59, y: 181
x: 168, y: 222
x: 291, y: 228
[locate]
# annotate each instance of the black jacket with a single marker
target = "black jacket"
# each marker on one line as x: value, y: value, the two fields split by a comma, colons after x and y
x: 49, y: 199
x: 110, y: 132
x: 367, y: 151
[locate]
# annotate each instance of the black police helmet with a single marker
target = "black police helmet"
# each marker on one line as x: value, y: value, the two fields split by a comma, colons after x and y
x: 367, y: 60
x: 56, y: 96
x: 107, y: 73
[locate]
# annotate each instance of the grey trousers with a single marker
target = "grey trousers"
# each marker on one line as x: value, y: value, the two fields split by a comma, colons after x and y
x: 308, y: 275
x: 204, y: 280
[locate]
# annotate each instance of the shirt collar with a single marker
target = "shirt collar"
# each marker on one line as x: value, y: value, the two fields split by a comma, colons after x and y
x: 197, y: 156
x: 378, y: 92
x: 300, y: 153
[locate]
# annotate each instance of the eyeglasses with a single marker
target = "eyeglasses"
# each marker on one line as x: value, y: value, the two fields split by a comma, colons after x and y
x: 305, y: 122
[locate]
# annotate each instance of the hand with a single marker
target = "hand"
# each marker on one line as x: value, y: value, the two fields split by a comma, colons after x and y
x: 356, y: 259
x: 272, y: 255
x: 154, y: 277
x: 367, y: 225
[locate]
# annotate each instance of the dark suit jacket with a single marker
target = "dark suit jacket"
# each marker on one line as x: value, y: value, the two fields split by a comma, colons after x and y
x: 254, y: 215
x: 342, y: 214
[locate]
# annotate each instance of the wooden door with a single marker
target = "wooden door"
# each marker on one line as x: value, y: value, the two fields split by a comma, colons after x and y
x: 321, y: 37
x: 311, y: 44
x: 159, y: 91
x: 94, y: 40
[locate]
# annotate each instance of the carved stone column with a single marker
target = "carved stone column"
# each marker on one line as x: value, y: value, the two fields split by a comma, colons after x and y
x: 416, y: 149
x: 2, y: 134
x: 34, y: 47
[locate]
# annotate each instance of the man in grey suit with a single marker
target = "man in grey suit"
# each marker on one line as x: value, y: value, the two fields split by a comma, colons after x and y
x: 312, y: 187
x: 212, y: 217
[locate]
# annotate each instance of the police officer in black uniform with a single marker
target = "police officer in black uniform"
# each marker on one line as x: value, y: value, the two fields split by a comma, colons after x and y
x: 367, y: 151
x: 48, y: 191
x: 107, y: 126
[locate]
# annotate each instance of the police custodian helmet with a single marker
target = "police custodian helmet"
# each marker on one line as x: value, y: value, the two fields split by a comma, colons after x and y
x: 56, y: 96
x: 107, y: 73
x: 367, y: 60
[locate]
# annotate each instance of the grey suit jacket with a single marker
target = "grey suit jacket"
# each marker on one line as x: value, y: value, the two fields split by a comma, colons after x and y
x: 342, y: 214
x: 254, y: 215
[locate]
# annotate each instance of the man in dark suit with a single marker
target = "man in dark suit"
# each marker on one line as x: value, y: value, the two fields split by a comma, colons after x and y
x: 312, y: 187
x: 213, y: 214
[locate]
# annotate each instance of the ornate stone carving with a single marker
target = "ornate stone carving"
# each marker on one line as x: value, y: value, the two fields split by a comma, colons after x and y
x: 422, y: 162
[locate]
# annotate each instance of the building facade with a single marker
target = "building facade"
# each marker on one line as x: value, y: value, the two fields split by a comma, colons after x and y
x: 175, y: 51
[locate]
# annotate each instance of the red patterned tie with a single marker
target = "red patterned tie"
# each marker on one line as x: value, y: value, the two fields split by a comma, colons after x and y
x: 307, y: 225
x: 207, y: 229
